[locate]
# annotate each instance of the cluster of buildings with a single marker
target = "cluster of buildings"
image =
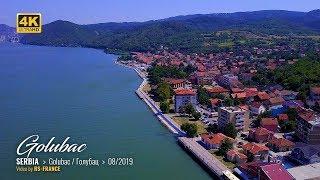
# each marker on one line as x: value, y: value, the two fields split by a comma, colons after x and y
x: 258, y: 151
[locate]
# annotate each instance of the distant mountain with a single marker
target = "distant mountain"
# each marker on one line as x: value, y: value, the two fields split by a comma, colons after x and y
x: 178, y: 32
x: 8, y: 34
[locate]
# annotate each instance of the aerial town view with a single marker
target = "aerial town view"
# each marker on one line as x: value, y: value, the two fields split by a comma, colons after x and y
x: 180, y: 90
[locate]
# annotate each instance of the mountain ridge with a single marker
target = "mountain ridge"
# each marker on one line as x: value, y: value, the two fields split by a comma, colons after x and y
x: 174, y: 31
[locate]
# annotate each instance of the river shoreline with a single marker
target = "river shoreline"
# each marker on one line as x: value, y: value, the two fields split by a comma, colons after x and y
x: 212, y: 165
x: 164, y: 119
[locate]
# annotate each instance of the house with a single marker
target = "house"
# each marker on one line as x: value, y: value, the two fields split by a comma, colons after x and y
x: 183, y: 97
x: 274, y: 102
x: 236, y: 90
x: 249, y: 170
x: 275, y: 105
x: 215, y: 102
x: 260, y: 135
x: 263, y: 171
x: 229, y: 81
x: 236, y: 157
x: 213, y: 141
x: 257, y: 152
x: 251, y: 93
x: 286, y: 94
x: 269, y: 123
x: 257, y: 108
x: 203, y: 78
x: 217, y: 90
x: 240, y: 95
x: 274, y: 171
x: 262, y: 96
x: 235, y: 115
x: 308, y: 127
x: 306, y: 153
x: 293, y: 104
x: 299, y: 172
x: 283, y: 117
x: 175, y: 83
x: 315, y: 93
x: 280, y: 145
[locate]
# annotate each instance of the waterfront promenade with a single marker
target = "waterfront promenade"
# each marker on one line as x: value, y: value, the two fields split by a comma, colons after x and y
x: 207, y: 159
x: 191, y: 144
x: 167, y: 121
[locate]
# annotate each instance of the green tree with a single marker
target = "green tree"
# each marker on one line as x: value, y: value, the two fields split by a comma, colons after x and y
x: 292, y: 114
x: 213, y: 128
x: 189, y: 109
x: 230, y: 130
x: 256, y: 122
x: 225, y: 146
x: 203, y: 96
x: 250, y: 157
x: 164, y: 106
x: 196, y: 115
x: 163, y: 91
x: 287, y: 126
x: 182, y: 110
x: 290, y: 125
x: 228, y: 102
x: 190, y: 129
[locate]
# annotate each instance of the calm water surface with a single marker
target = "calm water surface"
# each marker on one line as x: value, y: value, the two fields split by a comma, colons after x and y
x: 81, y: 93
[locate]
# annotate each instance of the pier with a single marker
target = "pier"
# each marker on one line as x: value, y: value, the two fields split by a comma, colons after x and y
x: 208, y: 160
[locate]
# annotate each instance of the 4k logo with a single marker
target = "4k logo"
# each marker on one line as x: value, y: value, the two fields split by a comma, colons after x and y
x: 29, y: 23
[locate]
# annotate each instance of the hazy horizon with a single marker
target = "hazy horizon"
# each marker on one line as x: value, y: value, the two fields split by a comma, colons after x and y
x: 94, y: 11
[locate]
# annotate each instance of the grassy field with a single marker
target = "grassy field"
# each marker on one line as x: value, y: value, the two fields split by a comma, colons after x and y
x: 146, y: 88
x: 180, y: 120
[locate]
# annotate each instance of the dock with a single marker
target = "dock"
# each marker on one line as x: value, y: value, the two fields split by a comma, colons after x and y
x: 208, y: 160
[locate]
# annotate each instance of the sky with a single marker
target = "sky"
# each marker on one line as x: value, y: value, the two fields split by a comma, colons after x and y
x: 99, y: 11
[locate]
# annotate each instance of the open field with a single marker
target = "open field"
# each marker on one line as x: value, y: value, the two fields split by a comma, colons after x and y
x: 182, y: 119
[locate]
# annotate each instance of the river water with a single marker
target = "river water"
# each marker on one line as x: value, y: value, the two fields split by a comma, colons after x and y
x: 80, y: 93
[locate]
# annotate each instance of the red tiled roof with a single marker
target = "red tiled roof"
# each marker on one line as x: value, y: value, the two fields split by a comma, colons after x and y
x: 174, y: 81
x: 276, y: 100
x: 256, y: 104
x: 240, y: 95
x: 262, y: 131
x: 184, y: 92
x: 244, y: 107
x: 315, y: 90
x: 175, y: 62
x: 263, y: 96
x: 233, y: 153
x: 200, y: 74
x: 214, y: 138
x: 215, y: 101
x: 217, y: 89
x: 283, y: 117
x: 254, y: 148
x: 251, y: 92
x: 252, y: 89
x: 281, y: 142
x: 276, y: 172
x: 269, y: 121
x: 307, y: 116
x: 236, y: 90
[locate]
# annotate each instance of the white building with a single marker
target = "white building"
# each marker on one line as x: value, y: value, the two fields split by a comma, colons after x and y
x: 184, y: 97
x: 239, y: 117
